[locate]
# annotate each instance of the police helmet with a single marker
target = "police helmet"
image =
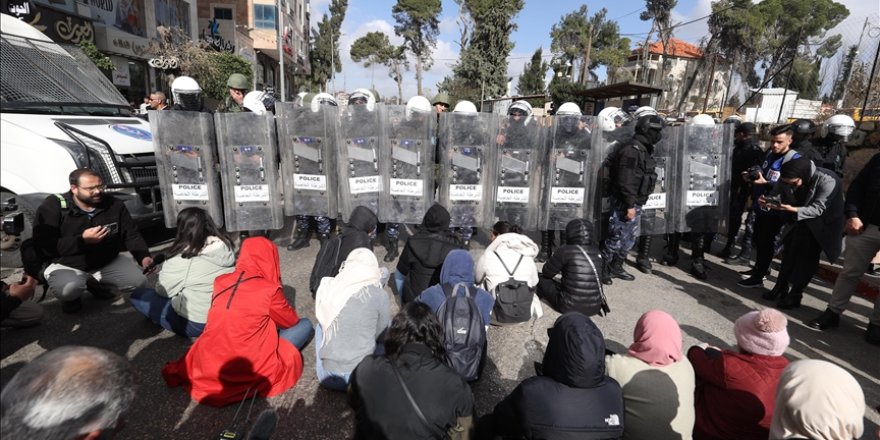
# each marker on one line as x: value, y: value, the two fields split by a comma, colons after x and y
x: 568, y: 108
x: 610, y: 118
x: 362, y: 97
x: 259, y: 102
x: 465, y: 107
x: 187, y: 93
x: 520, y: 108
x: 238, y: 81
x: 322, y: 99
x: 746, y: 127
x: 703, y: 120
x: 803, y: 127
x: 839, y: 125
x: 643, y: 111
x: 417, y: 104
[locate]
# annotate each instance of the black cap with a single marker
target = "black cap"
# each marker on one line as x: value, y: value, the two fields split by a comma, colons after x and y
x: 747, y: 127
x: 800, y: 167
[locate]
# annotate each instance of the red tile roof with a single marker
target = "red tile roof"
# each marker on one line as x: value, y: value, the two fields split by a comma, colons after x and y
x: 677, y: 48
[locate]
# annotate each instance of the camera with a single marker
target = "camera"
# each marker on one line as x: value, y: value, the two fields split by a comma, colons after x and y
x: 13, y: 224
x: 754, y: 172
x: 773, y: 200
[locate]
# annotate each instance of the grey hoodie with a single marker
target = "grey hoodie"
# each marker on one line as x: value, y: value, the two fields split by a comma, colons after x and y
x: 189, y: 282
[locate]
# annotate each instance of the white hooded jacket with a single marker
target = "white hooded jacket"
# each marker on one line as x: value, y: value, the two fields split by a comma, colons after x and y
x: 490, y: 271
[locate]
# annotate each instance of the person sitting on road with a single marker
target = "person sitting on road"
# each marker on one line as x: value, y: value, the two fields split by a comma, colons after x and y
x: 182, y: 297
x: 410, y: 392
x: 422, y: 258
x: 817, y: 400
x: 511, y: 254
x: 254, y: 339
x: 15, y: 309
x: 458, y: 267
x: 658, y: 381
x: 581, y: 266
x: 735, y: 389
x: 360, y: 232
x: 68, y: 393
x: 353, y: 312
x: 81, y: 233
x: 570, y: 397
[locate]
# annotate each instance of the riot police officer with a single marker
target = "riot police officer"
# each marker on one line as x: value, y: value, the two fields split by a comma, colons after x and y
x: 832, y: 145
x: 801, y: 141
x: 746, y: 154
x: 187, y: 95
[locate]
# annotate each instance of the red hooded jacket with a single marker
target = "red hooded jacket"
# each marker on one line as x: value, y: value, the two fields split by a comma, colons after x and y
x: 240, y: 348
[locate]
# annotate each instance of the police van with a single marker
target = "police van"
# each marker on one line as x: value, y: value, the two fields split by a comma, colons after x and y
x: 58, y: 112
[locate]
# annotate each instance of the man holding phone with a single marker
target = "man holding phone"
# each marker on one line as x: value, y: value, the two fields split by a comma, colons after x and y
x: 81, y: 234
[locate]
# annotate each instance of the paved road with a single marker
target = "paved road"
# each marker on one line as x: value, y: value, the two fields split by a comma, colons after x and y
x: 705, y: 310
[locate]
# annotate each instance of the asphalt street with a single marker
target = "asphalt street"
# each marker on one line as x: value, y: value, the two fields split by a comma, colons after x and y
x: 705, y: 310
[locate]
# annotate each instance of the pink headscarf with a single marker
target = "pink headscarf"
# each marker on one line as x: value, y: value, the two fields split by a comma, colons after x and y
x: 656, y: 339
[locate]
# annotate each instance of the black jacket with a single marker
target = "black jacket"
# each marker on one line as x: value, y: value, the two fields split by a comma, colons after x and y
x: 422, y: 257
x: 58, y: 233
x: 570, y: 398
x: 744, y: 156
x: 833, y: 153
x: 580, y: 284
x: 863, y: 195
x: 633, y: 172
x: 334, y: 252
x: 382, y: 410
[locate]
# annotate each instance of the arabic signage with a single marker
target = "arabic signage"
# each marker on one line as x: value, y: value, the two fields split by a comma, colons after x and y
x: 122, y: 72
x: 113, y: 40
x: 124, y: 15
x: 58, y: 25
x: 219, y: 34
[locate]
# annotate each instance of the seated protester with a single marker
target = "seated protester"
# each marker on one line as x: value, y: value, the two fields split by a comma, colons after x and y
x: 254, y: 341
x: 82, y: 233
x: 360, y: 232
x: 735, y: 389
x: 422, y: 257
x: 353, y: 310
x: 510, y: 255
x: 458, y: 267
x: 658, y: 381
x: 410, y: 393
x: 580, y: 264
x: 15, y: 309
x: 571, y: 397
x: 817, y: 400
x: 200, y: 253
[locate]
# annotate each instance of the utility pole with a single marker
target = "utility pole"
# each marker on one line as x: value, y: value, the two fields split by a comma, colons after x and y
x: 870, y: 80
x: 280, y: 21
x: 851, y: 67
x: 709, y: 82
x: 332, y: 65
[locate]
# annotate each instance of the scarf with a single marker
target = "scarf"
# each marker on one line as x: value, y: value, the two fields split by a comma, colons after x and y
x: 359, y: 270
x: 656, y: 339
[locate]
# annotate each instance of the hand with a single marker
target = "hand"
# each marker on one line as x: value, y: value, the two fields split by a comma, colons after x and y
x: 784, y: 207
x: 25, y: 289
x: 854, y: 226
x: 146, y: 262
x: 95, y: 235
x: 630, y: 214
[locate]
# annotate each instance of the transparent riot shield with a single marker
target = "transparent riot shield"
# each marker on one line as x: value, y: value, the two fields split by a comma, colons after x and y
x: 249, y: 171
x: 409, y: 174
x: 704, y: 168
x: 605, y: 145
x: 186, y: 159
x: 658, y: 212
x: 465, y: 148
x: 361, y: 160
x: 307, y: 141
x: 569, y: 183
x: 516, y: 170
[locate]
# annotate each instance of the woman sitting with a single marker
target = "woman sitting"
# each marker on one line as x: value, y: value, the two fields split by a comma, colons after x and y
x: 580, y: 289
x: 253, y: 343
x: 353, y: 311
x: 510, y: 255
x: 658, y: 381
x: 423, y: 254
x: 410, y: 393
x: 200, y: 253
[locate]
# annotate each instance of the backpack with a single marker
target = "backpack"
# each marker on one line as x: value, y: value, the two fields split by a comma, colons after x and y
x: 463, y: 330
x: 325, y: 263
x: 513, y: 298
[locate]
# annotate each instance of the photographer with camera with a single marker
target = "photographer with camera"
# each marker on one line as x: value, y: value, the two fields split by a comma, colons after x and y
x: 768, y: 222
x: 810, y: 201
x: 746, y: 157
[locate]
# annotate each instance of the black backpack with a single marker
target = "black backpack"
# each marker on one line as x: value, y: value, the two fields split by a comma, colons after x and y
x: 513, y: 298
x: 325, y: 263
x: 464, y: 331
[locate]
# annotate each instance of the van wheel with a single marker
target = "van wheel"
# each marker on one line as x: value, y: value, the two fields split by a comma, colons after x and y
x: 10, y: 257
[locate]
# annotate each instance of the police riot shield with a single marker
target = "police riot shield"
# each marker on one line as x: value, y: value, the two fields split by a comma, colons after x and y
x: 704, y: 175
x: 569, y: 183
x: 409, y: 174
x: 658, y: 213
x: 249, y: 171
x: 606, y: 144
x: 465, y: 185
x: 516, y: 171
x: 186, y: 159
x: 307, y: 141
x: 361, y: 160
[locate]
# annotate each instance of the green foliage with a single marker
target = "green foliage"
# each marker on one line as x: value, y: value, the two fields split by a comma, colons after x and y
x: 531, y: 82
x: 805, y: 78
x: 564, y: 90
x: 660, y: 10
x: 224, y: 64
x: 588, y: 41
x: 417, y: 22
x: 325, y: 50
x: 376, y: 48
x: 844, y: 73
x: 101, y: 60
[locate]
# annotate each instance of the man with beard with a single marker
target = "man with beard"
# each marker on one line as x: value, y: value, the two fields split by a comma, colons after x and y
x: 80, y: 233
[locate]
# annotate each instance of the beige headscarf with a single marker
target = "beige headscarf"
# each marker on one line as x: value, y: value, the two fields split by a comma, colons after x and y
x: 817, y: 400
x: 360, y: 269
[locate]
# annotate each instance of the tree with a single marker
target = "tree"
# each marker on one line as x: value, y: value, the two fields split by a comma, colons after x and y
x: 417, y: 22
x: 804, y: 78
x: 325, y: 54
x: 531, y: 82
x: 376, y: 48
x: 843, y: 76
x: 577, y: 36
x: 660, y: 11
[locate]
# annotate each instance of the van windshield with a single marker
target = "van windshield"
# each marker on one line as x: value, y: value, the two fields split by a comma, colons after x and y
x: 50, y: 79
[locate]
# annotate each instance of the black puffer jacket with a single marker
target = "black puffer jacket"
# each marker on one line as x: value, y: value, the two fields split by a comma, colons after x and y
x: 423, y: 255
x: 580, y: 282
x: 570, y: 398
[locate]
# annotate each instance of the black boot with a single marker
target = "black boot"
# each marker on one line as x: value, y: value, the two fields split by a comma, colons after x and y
x: 391, y: 247
x: 546, y: 246
x: 698, y: 264
x: 323, y: 237
x: 727, y: 251
x: 791, y: 301
x: 828, y: 319
x: 617, y: 270
x: 606, y: 274
x: 671, y: 257
x: 643, y: 260
x: 780, y: 290
x: 741, y: 258
x: 300, y: 240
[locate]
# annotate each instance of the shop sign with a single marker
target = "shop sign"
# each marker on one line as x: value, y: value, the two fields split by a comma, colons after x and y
x: 164, y: 63
x: 116, y: 41
x: 122, y: 73
x: 219, y: 35
x: 124, y: 15
x: 57, y: 25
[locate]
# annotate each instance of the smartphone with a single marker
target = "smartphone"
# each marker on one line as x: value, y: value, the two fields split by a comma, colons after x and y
x: 112, y: 227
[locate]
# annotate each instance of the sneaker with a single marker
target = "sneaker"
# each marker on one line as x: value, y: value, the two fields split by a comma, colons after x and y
x: 71, y: 306
x: 752, y: 282
x: 828, y: 319
x: 872, y: 334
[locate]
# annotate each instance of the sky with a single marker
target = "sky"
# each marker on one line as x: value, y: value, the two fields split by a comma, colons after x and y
x: 534, y: 23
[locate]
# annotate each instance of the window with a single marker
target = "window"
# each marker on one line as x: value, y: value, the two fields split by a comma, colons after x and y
x: 264, y: 16
x: 222, y: 13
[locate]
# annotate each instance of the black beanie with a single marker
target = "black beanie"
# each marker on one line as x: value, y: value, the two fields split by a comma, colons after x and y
x: 800, y: 167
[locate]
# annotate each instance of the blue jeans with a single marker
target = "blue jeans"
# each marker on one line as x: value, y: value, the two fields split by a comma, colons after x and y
x: 158, y: 308
x: 328, y: 379
x: 298, y: 335
x: 399, y: 279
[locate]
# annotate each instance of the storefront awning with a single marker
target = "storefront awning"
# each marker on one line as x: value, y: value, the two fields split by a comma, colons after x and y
x: 619, y: 90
